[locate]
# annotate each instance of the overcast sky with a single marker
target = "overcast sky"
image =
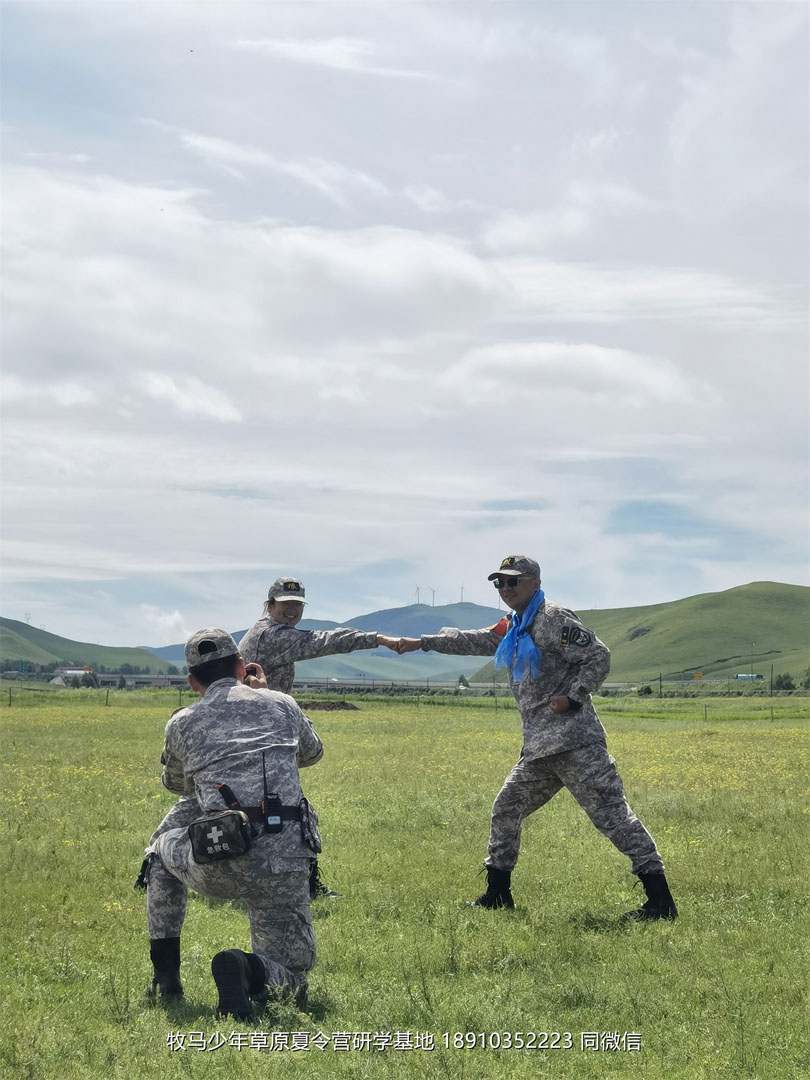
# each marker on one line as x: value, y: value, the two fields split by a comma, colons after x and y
x: 377, y: 294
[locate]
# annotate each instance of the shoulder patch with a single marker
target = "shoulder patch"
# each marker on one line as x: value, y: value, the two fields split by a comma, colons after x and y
x: 501, y: 627
x: 575, y: 635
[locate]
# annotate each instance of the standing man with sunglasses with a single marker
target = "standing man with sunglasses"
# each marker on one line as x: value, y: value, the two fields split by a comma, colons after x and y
x: 554, y: 664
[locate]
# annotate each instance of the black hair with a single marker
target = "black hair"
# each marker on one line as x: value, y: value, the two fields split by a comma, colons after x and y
x: 224, y: 668
x: 279, y: 600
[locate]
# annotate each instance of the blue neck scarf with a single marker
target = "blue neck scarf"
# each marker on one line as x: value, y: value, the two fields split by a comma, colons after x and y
x: 517, y: 652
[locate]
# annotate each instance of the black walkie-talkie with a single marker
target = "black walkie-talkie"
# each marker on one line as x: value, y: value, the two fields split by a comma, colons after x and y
x: 271, y: 806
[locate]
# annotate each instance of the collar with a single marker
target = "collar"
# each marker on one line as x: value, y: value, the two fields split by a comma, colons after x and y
x: 220, y: 684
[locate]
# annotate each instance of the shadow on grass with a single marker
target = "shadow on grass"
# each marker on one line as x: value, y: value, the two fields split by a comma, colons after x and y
x: 180, y: 1009
x: 473, y: 910
x: 321, y: 911
x: 600, y: 924
x: 273, y: 1015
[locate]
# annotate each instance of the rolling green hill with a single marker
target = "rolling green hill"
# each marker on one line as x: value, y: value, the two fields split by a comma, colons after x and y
x: 14, y: 646
x: 710, y: 632
x: 19, y: 641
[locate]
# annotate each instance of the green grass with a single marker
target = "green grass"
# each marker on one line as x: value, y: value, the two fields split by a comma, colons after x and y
x: 404, y: 793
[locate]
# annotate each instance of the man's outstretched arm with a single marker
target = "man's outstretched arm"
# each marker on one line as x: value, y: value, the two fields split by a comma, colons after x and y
x: 455, y: 642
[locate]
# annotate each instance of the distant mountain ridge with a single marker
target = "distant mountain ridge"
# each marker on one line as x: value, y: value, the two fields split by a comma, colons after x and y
x: 382, y: 664
x: 709, y: 632
x: 410, y: 621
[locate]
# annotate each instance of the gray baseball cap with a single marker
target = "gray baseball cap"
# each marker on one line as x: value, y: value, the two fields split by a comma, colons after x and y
x: 287, y: 588
x: 515, y: 566
x: 210, y: 643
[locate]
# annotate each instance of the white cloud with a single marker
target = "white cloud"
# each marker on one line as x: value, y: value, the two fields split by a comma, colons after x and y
x: 430, y: 201
x: 604, y: 292
x: 63, y: 392
x: 190, y: 396
x: 566, y: 272
x: 57, y: 158
x: 338, y: 53
x: 582, y: 209
x: 541, y: 369
x: 342, y: 53
x: 168, y: 626
x: 730, y: 131
x: 330, y: 178
x: 536, y: 231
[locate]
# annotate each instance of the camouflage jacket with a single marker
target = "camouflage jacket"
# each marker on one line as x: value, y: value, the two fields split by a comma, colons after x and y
x: 277, y: 646
x: 574, y: 663
x: 220, y: 739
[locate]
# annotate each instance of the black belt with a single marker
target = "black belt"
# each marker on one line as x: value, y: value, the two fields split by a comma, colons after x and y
x: 256, y: 817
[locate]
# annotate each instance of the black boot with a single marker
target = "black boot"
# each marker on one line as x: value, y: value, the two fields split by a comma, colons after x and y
x: 498, y: 893
x: 660, y: 904
x: 165, y: 955
x: 239, y: 977
x: 318, y: 888
x: 257, y: 984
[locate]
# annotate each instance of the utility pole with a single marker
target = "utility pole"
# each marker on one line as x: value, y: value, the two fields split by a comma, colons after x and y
x: 753, y: 643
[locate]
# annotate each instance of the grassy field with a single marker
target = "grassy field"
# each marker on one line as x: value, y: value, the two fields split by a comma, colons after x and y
x: 404, y: 793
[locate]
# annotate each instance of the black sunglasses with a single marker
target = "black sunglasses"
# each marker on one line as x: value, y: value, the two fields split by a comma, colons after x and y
x: 507, y: 582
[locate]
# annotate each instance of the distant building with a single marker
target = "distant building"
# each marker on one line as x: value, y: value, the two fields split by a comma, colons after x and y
x: 744, y: 676
x: 69, y: 672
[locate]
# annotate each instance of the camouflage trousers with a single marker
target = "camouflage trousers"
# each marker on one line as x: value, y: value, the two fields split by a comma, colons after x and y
x: 181, y: 815
x: 590, y: 774
x: 278, y: 903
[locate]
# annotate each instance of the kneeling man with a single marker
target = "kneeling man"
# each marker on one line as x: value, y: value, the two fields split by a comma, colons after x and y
x: 239, y: 747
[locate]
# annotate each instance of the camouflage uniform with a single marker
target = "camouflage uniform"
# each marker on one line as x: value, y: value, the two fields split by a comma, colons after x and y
x: 276, y: 647
x: 566, y: 749
x: 219, y: 739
